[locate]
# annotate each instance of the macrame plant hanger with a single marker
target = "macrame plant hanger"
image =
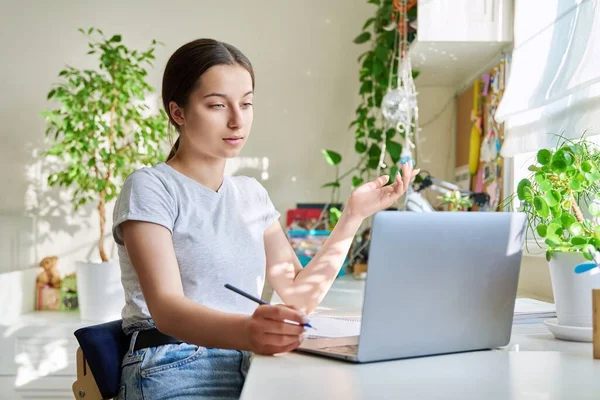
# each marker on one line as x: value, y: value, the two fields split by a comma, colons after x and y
x: 399, y: 105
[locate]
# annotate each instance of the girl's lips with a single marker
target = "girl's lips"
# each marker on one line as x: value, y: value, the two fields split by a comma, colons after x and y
x: 234, y: 141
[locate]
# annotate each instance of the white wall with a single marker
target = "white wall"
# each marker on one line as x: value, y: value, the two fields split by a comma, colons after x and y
x: 437, y: 117
x: 306, y: 74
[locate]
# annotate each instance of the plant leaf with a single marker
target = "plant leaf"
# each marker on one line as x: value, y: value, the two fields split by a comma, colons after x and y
x: 542, y: 230
x: 541, y: 206
x: 544, y: 156
x: 567, y: 220
x: 575, y: 184
x: 374, y: 151
x: 576, y: 229
x: 368, y: 23
x: 556, y: 211
x: 554, y: 229
x: 589, y: 251
x: 552, y: 198
x: 394, y: 149
x: 587, y: 166
x: 539, y: 177
x: 523, y: 183
x: 331, y: 157
x: 559, y: 165
x: 393, y: 174
x: 528, y: 194
x: 366, y: 87
x: 362, y: 38
x: 545, y: 185
x: 360, y: 147
x: 357, y: 181
x: 552, y: 242
x: 331, y: 184
x: 373, y: 163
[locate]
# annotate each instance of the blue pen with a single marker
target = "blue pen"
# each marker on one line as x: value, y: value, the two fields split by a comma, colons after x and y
x: 256, y: 299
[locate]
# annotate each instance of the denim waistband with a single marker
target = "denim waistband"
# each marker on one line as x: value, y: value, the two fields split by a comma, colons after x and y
x: 142, y: 325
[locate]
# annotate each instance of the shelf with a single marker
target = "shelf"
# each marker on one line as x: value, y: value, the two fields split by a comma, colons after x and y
x: 453, y: 63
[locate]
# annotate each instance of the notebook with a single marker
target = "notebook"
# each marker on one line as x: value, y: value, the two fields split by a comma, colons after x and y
x: 333, y: 327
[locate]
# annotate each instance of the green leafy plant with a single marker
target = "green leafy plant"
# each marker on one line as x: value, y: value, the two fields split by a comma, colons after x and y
x: 103, y: 130
x: 370, y: 129
x: 562, y: 181
x: 456, y: 201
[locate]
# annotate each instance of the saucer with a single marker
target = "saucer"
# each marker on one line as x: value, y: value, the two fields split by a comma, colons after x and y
x: 573, y: 333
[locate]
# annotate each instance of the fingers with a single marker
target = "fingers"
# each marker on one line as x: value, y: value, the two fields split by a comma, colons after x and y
x: 407, y: 173
x: 282, y: 328
x: 268, y: 332
x: 379, y: 182
x: 398, y: 185
x: 281, y: 313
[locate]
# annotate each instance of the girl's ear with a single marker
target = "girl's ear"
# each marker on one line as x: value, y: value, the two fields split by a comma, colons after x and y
x: 176, y: 113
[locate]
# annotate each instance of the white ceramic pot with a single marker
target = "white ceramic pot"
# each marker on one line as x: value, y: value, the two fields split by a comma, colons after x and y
x: 99, y: 291
x: 572, y: 292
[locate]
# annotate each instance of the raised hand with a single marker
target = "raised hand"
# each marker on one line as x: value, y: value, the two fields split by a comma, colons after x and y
x: 374, y: 196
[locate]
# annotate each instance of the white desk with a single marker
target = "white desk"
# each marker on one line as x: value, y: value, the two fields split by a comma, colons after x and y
x: 533, y: 366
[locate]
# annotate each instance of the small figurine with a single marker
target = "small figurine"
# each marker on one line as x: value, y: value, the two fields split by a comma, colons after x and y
x: 50, y: 276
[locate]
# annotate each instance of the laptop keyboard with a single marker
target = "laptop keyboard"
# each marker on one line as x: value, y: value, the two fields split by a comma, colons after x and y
x: 349, y: 349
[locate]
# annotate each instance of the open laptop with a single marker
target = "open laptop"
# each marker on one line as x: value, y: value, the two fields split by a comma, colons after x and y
x: 437, y: 283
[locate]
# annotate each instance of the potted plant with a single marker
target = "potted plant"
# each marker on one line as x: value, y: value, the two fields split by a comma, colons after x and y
x: 561, y: 199
x: 101, y: 132
x: 455, y: 201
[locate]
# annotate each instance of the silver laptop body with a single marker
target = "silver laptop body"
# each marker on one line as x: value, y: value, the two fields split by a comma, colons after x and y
x: 437, y: 283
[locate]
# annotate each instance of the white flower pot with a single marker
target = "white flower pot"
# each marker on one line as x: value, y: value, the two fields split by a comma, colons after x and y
x: 572, y: 292
x: 99, y: 291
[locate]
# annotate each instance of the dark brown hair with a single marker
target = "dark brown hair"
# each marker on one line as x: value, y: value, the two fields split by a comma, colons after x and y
x: 187, y: 64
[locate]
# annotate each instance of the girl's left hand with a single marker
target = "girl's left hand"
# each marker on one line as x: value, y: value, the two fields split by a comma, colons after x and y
x: 373, y: 196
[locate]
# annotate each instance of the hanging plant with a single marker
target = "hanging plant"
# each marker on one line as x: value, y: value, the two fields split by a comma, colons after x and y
x: 378, y: 72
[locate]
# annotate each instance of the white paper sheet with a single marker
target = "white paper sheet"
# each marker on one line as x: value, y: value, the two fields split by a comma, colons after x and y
x: 531, y: 306
x: 333, y: 327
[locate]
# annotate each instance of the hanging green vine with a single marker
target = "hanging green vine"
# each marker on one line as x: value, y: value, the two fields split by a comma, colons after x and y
x: 370, y: 129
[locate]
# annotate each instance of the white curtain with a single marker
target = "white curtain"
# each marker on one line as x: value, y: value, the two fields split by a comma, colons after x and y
x: 554, y: 81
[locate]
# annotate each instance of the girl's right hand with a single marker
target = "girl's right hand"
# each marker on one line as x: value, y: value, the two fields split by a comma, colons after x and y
x: 267, y: 332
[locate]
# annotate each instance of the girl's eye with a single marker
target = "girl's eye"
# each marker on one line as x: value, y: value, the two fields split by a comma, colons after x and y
x: 218, y: 106
x: 246, y: 105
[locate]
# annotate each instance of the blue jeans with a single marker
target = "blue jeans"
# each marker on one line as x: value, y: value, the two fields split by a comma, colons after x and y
x: 182, y: 372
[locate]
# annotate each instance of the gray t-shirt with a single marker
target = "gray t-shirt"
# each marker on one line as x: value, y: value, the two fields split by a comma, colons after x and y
x: 217, y: 236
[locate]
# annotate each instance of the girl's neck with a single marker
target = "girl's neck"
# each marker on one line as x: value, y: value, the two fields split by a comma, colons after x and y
x: 206, y: 171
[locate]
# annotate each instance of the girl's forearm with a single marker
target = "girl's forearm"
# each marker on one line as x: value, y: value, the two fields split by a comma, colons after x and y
x: 312, y: 283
